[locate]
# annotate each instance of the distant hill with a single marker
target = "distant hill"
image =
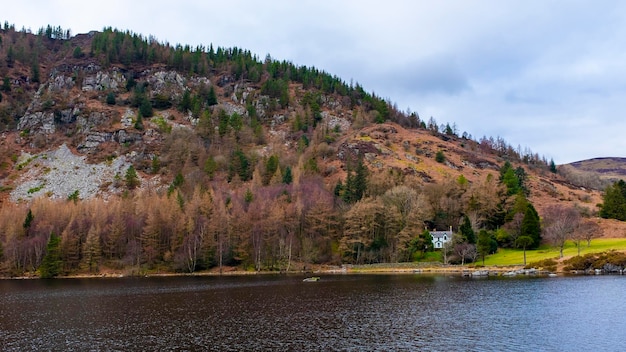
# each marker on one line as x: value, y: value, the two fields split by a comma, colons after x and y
x: 595, y: 173
x: 606, y: 167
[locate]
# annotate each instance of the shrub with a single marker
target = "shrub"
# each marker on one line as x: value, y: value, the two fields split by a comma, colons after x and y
x: 546, y: 264
x: 110, y: 98
x: 440, y: 157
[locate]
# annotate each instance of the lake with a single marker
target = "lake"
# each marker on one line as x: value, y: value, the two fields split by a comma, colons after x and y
x: 404, y: 312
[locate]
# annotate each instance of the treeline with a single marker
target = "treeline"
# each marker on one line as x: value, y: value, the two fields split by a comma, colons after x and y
x: 127, y: 48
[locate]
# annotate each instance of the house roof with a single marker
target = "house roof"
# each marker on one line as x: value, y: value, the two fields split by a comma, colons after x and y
x: 440, y: 234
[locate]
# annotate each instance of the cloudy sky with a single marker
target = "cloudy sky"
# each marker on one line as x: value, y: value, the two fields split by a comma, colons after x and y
x: 545, y: 75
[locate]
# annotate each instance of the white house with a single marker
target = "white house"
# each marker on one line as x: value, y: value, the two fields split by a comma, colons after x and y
x: 441, y: 237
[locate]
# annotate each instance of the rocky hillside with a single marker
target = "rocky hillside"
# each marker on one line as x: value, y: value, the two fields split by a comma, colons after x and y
x: 75, y: 127
x: 87, y: 98
x: 147, y: 139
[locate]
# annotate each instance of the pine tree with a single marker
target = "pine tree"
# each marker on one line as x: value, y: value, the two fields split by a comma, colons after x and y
x: 531, y: 226
x: 145, y: 107
x: 6, y: 84
x: 28, y: 221
x: 240, y: 166
x: 51, y: 263
x: 484, y: 244
x: 10, y: 59
x: 212, y: 98
x: 270, y: 168
x: 185, y: 102
x: 552, y: 166
x: 156, y: 164
x: 139, y: 122
x: 35, y: 72
x: 287, y: 176
x: 614, y: 201
x: 210, y: 166
x: 110, y: 98
x: 132, y: 180
x: 466, y: 231
x: 360, y: 180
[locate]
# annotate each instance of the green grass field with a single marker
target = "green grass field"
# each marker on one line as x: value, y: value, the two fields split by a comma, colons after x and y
x: 506, y: 256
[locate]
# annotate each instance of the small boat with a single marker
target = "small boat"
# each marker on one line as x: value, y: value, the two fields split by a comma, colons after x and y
x: 312, y: 279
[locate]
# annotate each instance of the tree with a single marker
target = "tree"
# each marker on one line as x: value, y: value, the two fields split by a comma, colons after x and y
x: 466, y: 231
x: 614, y: 201
x: 485, y: 244
x: 78, y: 53
x: 270, y: 168
x: 240, y: 166
x: 185, y: 102
x: 132, y: 180
x: 91, y: 251
x: 130, y: 83
x: 212, y: 97
x: 155, y: 164
x: 356, y: 184
x: 28, y: 221
x: 524, y: 242
x: 10, y: 59
x: 145, y: 108
x: 51, y: 263
x: 552, y: 166
x: 6, y: 84
x: 210, y: 167
x: 287, y: 176
x: 560, y: 223
x: 586, y: 231
x: 223, y: 123
x: 35, y: 72
x: 139, y: 122
x: 421, y: 243
x: 110, y: 100
x: 531, y: 225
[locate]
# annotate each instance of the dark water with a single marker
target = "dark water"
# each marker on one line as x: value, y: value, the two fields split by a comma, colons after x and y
x: 338, y: 313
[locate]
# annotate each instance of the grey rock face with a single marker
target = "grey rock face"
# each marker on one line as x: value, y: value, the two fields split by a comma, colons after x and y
x: 104, y: 80
x: 59, y: 173
x: 37, y: 122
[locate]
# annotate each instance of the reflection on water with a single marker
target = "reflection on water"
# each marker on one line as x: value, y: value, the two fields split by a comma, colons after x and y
x: 338, y: 313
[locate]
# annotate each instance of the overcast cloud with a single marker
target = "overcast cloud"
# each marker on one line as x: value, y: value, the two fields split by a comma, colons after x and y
x: 547, y: 75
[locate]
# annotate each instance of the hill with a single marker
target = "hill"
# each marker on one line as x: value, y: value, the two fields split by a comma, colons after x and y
x: 595, y: 173
x: 142, y: 156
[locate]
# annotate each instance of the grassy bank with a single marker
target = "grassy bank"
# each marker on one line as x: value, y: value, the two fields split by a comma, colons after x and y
x: 506, y: 256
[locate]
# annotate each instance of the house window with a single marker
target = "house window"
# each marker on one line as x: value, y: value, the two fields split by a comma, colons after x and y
x: 445, y: 238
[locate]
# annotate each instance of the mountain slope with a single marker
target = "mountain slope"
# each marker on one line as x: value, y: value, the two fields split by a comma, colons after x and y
x: 239, y: 161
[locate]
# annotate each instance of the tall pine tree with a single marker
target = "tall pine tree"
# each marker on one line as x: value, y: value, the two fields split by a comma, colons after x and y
x: 51, y: 263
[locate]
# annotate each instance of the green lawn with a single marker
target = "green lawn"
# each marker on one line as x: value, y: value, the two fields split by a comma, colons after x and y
x: 506, y: 256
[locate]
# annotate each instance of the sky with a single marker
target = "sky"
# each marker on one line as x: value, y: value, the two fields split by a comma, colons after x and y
x: 544, y: 75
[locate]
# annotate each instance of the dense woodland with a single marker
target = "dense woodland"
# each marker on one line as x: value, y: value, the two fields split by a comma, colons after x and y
x: 222, y: 204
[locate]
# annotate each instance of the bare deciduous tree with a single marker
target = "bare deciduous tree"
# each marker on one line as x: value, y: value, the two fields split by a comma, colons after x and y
x: 587, y: 230
x: 560, y: 224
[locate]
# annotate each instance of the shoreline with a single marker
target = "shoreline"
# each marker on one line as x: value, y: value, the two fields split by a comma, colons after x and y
x: 399, y: 268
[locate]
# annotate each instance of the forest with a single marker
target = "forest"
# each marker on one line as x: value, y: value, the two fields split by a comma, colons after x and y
x: 280, y: 226
x: 222, y: 204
